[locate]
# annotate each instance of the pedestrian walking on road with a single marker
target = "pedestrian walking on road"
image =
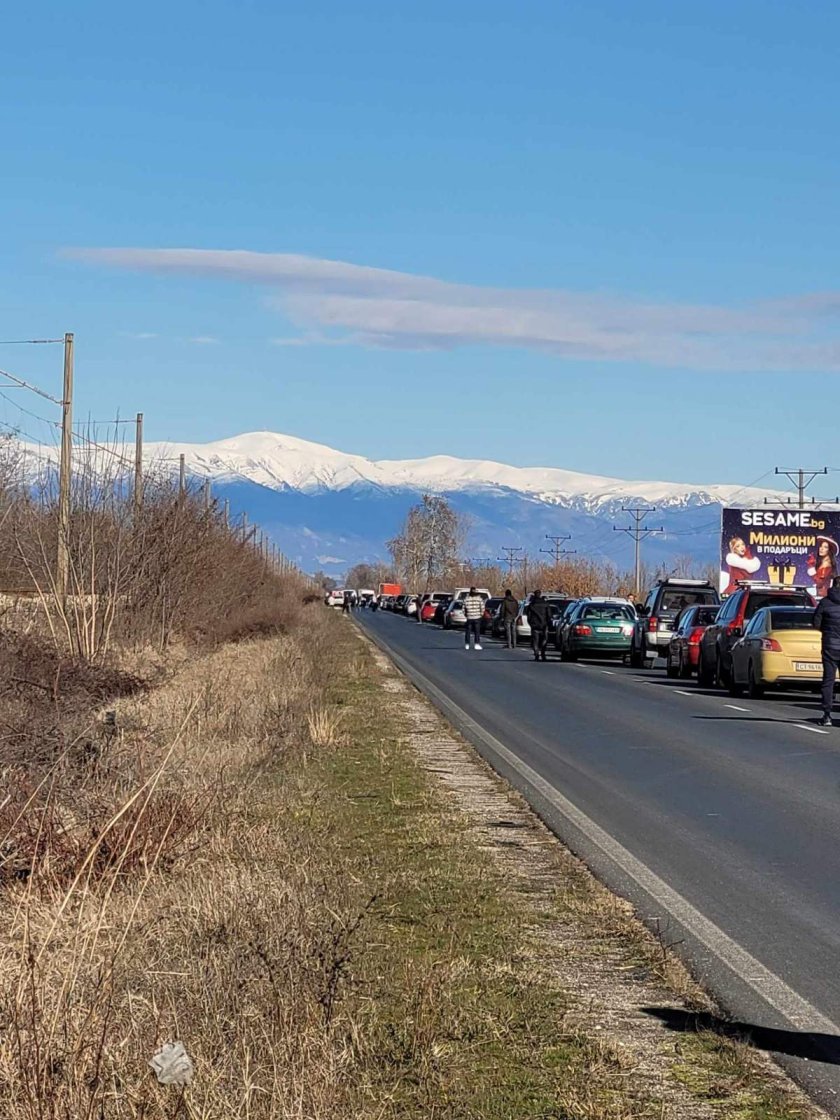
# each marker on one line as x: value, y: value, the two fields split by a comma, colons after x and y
x: 346, y: 603
x: 509, y: 611
x: 827, y: 619
x: 473, y: 610
x: 538, y: 615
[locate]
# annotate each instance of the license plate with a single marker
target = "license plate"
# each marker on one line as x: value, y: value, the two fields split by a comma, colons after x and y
x: 807, y: 666
x: 607, y: 629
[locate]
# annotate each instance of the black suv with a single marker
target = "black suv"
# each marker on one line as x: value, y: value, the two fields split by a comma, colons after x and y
x: 655, y: 624
x: 715, y: 662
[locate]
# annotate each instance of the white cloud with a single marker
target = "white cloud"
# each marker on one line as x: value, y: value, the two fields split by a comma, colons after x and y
x: 336, y: 303
x: 139, y: 336
x: 203, y: 340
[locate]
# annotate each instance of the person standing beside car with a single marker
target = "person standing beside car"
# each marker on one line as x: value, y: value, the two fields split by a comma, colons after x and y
x: 827, y: 620
x: 538, y: 617
x: 473, y: 610
x: 509, y: 611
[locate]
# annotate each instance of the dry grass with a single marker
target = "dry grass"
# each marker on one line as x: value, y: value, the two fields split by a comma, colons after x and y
x: 194, y: 909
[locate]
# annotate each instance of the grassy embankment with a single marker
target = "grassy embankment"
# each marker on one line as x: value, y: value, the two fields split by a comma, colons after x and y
x: 253, y: 861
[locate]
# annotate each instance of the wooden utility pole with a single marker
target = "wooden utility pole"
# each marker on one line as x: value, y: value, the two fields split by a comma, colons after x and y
x: 244, y: 528
x: 64, y: 472
x: 638, y: 532
x: 227, y: 513
x: 207, y: 493
x: 138, y: 464
x: 182, y: 477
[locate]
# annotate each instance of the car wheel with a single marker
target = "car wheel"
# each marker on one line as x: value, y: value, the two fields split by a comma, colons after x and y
x: 755, y: 690
x: 636, y: 659
x: 683, y: 672
x: 735, y: 689
x: 722, y: 678
x: 671, y: 669
x: 705, y: 678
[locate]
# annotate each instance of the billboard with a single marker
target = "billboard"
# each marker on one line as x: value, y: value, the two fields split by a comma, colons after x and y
x: 784, y: 546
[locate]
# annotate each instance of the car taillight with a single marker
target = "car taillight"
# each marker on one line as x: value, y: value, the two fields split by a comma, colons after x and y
x: 735, y: 624
x: 652, y: 624
x: 770, y: 645
x: 695, y: 635
x: 582, y: 631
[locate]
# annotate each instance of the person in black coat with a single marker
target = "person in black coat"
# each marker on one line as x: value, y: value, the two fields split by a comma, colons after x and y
x: 538, y: 616
x: 827, y: 620
x: 509, y: 610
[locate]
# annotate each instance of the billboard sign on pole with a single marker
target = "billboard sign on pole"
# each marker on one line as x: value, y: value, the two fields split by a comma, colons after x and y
x: 785, y: 546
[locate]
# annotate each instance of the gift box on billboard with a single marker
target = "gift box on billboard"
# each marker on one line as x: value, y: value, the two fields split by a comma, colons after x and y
x: 781, y: 573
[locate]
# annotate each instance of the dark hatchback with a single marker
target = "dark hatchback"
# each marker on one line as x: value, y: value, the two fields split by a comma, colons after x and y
x: 714, y: 665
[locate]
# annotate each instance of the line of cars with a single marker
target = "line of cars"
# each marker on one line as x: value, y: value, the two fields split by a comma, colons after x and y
x: 758, y: 637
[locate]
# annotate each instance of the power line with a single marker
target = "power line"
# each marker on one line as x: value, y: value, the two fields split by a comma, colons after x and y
x: 27, y: 411
x: 33, y: 388
x: 29, y: 341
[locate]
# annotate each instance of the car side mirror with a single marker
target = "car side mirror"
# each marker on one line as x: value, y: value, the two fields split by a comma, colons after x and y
x: 642, y: 611
x: 736, y: 632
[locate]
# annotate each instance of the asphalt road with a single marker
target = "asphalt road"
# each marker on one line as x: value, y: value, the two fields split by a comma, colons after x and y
x: 718, y: 818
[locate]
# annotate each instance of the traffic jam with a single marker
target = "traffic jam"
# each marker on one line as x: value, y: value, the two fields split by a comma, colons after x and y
x: 752, y: 634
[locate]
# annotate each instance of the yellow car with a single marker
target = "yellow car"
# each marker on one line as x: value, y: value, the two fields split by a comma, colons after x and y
x: 778, y: 649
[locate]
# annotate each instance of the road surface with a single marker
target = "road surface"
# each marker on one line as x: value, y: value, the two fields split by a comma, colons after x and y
x: 718, y: 818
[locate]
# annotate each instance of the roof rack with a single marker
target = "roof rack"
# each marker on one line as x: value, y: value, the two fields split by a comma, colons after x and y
x: 688, y: 582
x: 773, y: 586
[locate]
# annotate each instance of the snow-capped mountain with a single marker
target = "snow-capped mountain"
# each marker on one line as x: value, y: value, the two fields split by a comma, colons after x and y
x: 329, y: 509
x: 278, y: 461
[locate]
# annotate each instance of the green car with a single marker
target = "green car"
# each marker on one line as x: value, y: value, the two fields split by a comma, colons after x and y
x: 597, y: 628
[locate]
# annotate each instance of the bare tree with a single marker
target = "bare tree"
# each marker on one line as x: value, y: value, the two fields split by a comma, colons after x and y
x: 429, y: 543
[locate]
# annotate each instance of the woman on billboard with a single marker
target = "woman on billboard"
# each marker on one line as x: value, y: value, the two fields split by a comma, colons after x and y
x: 740, y: 562
x: 822, y: 568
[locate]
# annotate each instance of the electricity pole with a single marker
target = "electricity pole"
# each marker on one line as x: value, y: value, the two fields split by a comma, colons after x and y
x: 64, y: 472
x: 182, y: 477
x: 510, y: 559
x: 802, y: 477
x: 638, y: 532
x: 557, y: 551
x: 138, y: 464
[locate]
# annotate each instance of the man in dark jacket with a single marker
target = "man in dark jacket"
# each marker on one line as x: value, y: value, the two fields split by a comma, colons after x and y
x: 508, y: 612
x: 537, y: 615
x: 827, y: 619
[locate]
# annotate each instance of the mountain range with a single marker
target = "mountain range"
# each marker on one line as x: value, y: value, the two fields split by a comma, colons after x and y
x: 329, y: 509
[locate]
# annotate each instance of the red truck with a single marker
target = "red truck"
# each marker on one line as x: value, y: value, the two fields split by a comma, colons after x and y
x: 390, y: 589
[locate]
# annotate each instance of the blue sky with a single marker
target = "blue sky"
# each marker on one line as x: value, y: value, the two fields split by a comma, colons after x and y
x: 544, y: 233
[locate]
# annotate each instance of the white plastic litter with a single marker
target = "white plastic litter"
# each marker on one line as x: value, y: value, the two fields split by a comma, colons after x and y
x: 172, y: 1064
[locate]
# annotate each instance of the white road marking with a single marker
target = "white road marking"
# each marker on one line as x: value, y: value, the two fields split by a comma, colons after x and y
x: 682, y: 692
x: 816, y: 730
x: 765, y: 984
x: 735, y: 708
x: 608, y: 672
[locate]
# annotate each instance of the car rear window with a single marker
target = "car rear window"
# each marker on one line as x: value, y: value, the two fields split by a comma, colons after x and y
x: 757, y: 600
x: 608, y: 611
x: 699, y: 616
x: 791, y: 619
x: 676, y: 598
